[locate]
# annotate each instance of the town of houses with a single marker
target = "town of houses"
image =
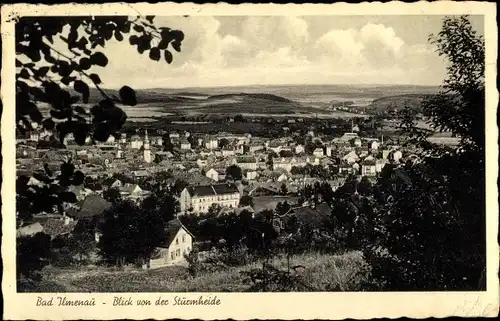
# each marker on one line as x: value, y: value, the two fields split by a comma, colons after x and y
x: 206, y: 163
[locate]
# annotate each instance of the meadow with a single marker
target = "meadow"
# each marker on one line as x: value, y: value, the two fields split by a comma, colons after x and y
x: 321, y: 272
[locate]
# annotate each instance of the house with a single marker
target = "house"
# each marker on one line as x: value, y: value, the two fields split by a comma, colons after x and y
x: 29, y: 230
x: 201, y: 162
x: 287, y: 163
x: 185, y: 145
x: 251, y: 175
x: 216, y: 174
x: 140, y: 174
x: 178, y: 243
x: 132, y: 191
x: 346, y: 138
x: 299, y: 149
x: 226, y: 152
x: 116, y: 184
x: 329, y: 151
x: 80, y: 191
x: 211, y: 143
x: 59, y: 227
x: 357, y: 142
x: 200, y: 198
x: 345, y: 169
x: 379, y: 164
x: 255, y: 148
x: 368, y: 168
x: 249, y: 163
x: 318, y: 152
x: 136, y: 142
x: 92, y: 206
x: 350, y: 157
x: 282, y: 178
x: 397, y: 155
x: 374, y: 145
x: 336, y: 183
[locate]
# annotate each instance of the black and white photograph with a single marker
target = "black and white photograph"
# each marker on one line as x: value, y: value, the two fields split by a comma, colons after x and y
x: 249, y: 153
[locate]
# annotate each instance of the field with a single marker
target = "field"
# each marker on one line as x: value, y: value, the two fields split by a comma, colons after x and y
x: 269, y: 101
x: 322, y: 273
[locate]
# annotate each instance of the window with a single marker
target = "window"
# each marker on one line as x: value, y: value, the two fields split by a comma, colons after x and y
x: 183, y: 238
x: 172, y: 255
x: 178, y: 252
x: 177, y: 241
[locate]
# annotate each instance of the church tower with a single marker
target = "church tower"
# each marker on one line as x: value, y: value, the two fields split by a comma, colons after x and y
x: 147, y: 152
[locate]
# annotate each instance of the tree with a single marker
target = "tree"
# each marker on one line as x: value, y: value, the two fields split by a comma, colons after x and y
x: 112, y: 195
x: 246, y: 200
x: 157, y: 159
x: 179, y: 186
x: 283, y: 189
x: 33, y: 253
x: 285, y: 153
x: 51, y: 192
x: 424, y: 210
x: 239, y: 118
x: 223, y: 142
x: 130, y: 234
x: 80, y: 245
x: 282, y: 208
x: 234, y: 172
x: 162, y: 203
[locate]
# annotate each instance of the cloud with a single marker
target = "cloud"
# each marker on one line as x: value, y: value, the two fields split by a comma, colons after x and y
x: 274, y: 50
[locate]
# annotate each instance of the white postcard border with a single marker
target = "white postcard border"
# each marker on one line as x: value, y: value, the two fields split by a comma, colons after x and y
x: 360, y: 305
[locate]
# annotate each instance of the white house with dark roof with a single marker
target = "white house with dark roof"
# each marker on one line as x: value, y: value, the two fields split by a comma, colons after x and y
x: 200, y: 198
x: 216, y: 174
x: 179, y: 242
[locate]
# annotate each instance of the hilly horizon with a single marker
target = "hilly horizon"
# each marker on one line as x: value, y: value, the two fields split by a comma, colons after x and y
x: 270, y: 100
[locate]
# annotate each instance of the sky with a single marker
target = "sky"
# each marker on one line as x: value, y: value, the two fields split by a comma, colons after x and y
x: 275, y: 50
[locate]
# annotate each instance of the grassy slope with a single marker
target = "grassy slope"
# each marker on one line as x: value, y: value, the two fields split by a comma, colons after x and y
x: 413, y: 101
x: 322, y: 273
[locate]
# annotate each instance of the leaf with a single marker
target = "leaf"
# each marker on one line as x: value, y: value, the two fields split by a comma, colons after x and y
x: 176, y: 45
x: 42, y: 178
x: 82, y: 88
x: 127, y: 96
x: 118, y: 35
x: 101, y: 132
x: 48, y: 124
x: 163, y: 44
x: 138, y: 28
x: 99, y: 59
x: 64, y: 69
x: 168, y: 56
x: 80, y: 110
x: 85, y: 63
x: 154, y: 54
x: 60, y: 114
x: 24, y: 74
x: 42, y: 71
x: 95, y: 78
x: 133, y: 40
x: 178, y: 35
